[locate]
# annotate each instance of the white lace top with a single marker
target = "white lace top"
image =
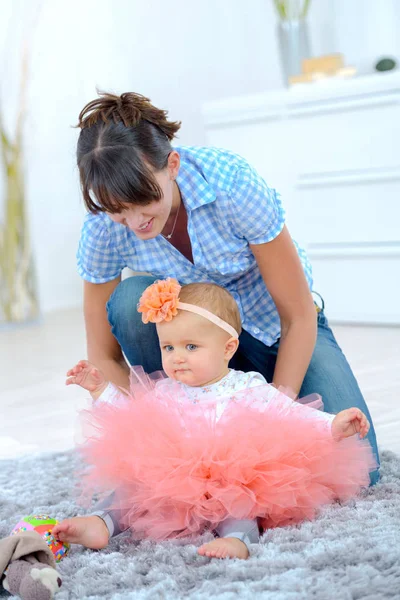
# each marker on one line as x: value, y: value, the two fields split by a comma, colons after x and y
x: 234, y: 381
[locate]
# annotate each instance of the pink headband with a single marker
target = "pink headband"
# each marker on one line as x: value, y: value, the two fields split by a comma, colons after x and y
x: 160, y: 302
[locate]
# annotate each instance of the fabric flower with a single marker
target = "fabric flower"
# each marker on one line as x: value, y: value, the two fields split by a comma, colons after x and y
x: 159, y: 301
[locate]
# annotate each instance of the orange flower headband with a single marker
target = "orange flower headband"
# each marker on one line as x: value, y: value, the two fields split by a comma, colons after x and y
x: 160, y: 302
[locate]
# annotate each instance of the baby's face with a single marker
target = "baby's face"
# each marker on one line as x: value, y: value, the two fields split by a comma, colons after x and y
x: 193, y: 349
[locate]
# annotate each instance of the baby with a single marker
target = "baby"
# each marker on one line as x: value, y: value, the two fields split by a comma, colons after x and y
x: 198, y: 327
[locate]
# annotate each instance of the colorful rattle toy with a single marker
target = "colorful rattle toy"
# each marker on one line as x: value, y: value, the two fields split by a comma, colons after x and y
x: 28, y: 559
x: 43, y: 525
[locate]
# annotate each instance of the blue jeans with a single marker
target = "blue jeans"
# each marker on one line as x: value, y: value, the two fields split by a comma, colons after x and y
x: 329, y: 374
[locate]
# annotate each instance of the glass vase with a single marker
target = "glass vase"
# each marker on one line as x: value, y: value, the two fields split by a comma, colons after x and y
x: 294, y: 46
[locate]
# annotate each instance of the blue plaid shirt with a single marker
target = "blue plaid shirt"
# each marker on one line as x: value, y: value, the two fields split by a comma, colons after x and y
x: 229, y: 206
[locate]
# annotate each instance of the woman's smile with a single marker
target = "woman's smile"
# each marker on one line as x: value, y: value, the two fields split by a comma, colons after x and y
x: 146, y: 227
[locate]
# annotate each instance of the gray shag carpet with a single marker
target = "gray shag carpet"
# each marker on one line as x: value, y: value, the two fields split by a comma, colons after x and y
x: 349, y: 552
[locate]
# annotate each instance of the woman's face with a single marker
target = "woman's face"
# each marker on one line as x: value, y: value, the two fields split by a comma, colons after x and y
x: 148, y: 221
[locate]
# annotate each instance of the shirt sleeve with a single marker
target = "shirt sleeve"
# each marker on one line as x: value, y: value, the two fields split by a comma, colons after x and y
x: 111, y: 395
x: 255, y: 379
x: 309, y: 412
x: 327, y: 418
x: 98, y: 259
x: 257, y: 212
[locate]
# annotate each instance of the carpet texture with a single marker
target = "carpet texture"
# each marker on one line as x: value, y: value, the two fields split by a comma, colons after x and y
x: 349, y: 552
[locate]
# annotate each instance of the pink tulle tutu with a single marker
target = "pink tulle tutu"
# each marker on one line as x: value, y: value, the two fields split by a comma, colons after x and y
x: 179, y: 469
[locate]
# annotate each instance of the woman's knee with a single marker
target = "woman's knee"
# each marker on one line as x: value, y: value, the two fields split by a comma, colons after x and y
x: 126, y: 323
x: 122, y: 305
x: 330, y: 375
x: 138, y: 341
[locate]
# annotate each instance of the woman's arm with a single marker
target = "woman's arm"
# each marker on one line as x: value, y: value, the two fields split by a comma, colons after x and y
x: 284, y: 277
x: 102, y: 347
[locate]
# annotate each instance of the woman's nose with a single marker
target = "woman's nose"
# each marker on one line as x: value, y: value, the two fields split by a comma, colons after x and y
x: 132, y: 221
x: 129, y: 219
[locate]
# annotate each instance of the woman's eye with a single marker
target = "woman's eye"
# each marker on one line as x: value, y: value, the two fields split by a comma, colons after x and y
x: 168, y: 348
x: 191, y: 347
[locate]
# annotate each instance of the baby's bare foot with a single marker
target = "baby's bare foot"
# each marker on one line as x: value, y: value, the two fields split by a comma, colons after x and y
x: 228, y: 547
x: 91, y: 532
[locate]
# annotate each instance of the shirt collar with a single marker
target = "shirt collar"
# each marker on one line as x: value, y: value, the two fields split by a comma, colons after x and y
x: 193, y: 186
x: 211, y: 386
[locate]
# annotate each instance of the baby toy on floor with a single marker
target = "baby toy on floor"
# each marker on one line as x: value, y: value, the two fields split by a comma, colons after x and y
x: 28, y: 559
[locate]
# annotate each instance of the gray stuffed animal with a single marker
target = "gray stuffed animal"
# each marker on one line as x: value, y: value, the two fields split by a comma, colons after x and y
x: 27, y: 567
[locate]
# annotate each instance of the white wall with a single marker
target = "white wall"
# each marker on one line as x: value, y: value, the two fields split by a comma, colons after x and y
x: 339, y: 191
x: 179, y: 53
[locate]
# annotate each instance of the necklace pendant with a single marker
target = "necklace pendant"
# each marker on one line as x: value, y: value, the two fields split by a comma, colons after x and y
x: 169, y: 236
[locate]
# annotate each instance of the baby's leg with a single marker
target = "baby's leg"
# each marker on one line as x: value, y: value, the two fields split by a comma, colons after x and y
x: 111, y: 517
x: 235, y: 538
x: 94, y: 530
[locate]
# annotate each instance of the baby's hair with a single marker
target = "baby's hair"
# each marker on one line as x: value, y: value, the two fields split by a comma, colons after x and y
x: 121, y: 139
x: 214, y: 298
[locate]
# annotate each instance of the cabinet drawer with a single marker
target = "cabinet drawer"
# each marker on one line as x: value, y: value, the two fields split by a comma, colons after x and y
x: 355, y: 138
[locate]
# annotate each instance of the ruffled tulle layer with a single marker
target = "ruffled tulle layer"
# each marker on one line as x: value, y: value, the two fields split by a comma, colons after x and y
x: 178, y: 469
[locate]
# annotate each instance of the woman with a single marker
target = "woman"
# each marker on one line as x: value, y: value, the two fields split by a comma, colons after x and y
x: 196, y: 214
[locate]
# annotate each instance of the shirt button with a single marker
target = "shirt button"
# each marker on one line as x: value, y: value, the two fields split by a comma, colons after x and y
x: 256, y: 330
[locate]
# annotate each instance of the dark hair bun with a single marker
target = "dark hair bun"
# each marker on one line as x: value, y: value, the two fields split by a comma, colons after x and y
x: 130, y: 109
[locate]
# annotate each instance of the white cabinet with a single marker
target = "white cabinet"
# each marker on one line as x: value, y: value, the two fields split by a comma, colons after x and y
x: 332, y: 149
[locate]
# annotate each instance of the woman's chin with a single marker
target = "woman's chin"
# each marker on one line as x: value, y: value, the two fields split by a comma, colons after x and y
x: 146, y: 236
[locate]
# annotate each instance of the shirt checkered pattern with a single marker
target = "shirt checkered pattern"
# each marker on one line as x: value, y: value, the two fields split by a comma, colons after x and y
x: 229, y: 206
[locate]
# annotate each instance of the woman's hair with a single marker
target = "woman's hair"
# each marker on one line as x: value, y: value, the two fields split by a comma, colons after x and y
x: 122, y: 138
x: 214, y: 298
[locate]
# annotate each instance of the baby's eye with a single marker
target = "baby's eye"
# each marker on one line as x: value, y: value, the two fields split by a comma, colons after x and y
x: 191, y: 347
x: 168, y: 348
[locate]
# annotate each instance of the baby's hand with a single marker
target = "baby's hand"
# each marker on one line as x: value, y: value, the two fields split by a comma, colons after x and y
x: 87, y: 376
x: 349, y: 422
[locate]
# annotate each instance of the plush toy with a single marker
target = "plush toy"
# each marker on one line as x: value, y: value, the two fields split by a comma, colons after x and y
x: 28, y: 559
x: 27, y: 567
x: 43, y: 525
